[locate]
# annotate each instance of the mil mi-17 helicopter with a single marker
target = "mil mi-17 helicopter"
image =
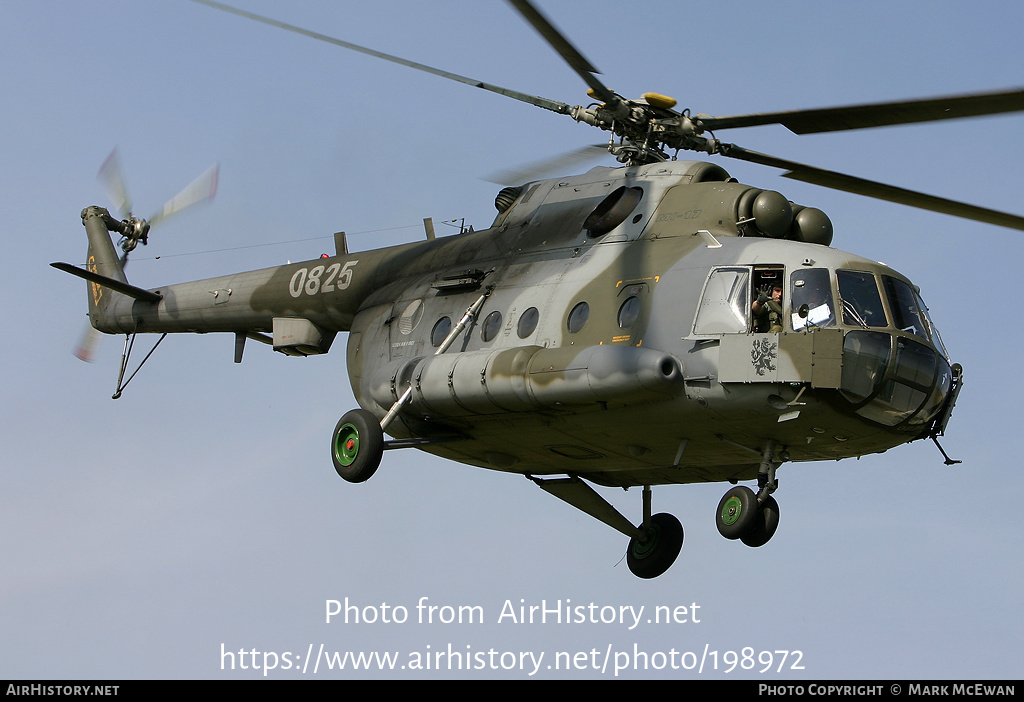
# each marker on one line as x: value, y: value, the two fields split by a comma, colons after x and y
x: 654, y: 323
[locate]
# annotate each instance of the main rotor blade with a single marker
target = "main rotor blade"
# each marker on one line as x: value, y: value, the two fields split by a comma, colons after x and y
x: 565, y: 49
x: 881, y: 114
x: 870, y: 188
x: 547, y: 104
x: 538, y: 169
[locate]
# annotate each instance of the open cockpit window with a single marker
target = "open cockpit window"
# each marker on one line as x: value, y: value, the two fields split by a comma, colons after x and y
x: 768, y: 299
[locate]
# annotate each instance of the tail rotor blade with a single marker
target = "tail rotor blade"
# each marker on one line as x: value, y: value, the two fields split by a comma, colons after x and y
x: 86, y: 347
x: 112, y: 177
x: 199, y: 190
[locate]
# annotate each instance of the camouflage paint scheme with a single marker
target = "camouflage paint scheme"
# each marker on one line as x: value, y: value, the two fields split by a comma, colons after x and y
x: 649, y: 403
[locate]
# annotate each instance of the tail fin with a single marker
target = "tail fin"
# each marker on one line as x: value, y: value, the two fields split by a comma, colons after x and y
x: 102, y: 259
x: 103, y: 269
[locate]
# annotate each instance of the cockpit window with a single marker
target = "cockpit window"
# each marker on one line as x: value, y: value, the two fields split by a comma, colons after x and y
x: 930, y: 328
x: 859, y: 298
x: 811, y: 300
x: 725, y: 306
x: 929, y: 325
x: 936, y: 337
x: 906, y: 307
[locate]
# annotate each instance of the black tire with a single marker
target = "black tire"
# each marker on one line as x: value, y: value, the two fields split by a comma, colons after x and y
x: 653, y: 555
x: 357, y: 446
x: 763, y: 528
x: 737, y: 512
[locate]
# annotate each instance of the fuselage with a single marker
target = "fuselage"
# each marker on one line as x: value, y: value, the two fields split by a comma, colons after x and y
x: 618, y: 338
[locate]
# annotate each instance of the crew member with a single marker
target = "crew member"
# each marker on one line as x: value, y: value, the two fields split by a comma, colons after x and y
x: 767, y: 309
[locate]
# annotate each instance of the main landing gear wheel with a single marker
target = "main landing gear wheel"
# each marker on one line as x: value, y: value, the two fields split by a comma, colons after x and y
x: 357, y: 446
x: 763, y: 528
x: 737, y: 512
x: 655, y: 553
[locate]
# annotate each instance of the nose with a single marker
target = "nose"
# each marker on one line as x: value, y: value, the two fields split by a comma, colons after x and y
x: 894, y: 380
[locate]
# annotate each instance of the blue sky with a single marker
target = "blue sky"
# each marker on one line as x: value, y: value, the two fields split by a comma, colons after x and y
x: 200, y: 510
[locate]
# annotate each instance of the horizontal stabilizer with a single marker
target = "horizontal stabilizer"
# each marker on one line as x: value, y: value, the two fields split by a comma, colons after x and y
x: 115, y: 285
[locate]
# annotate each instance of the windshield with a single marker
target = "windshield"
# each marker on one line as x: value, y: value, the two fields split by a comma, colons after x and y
x: 860, y: 300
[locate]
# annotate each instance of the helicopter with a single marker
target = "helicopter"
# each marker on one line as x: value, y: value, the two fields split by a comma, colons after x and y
x: 606, y: 328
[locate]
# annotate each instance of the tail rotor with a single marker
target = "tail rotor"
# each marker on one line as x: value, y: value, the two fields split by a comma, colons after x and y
x: 135, y: 230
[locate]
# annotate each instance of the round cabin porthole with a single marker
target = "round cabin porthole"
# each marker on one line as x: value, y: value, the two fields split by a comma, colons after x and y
x: 491, y: 326
x: 442, y: 328
x: 578, y: 317
x: 629, y: 311
x: 527, y: 323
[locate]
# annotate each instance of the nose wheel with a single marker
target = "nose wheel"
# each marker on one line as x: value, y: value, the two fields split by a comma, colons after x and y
x: 741, y: 516
x: 752, y: 518
x: 737, y: 512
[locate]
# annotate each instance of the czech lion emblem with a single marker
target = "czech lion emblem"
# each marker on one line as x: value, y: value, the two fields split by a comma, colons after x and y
x: 763, y: 352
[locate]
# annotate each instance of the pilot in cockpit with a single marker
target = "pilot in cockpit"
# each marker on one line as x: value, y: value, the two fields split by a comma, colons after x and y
x: 767, y: 309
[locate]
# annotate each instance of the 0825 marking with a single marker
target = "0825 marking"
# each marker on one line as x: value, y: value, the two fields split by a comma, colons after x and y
x: 312, y: 281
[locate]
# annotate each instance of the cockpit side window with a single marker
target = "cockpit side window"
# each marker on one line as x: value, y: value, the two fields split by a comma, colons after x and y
x: 933, y: 332
x: 725, y: 305
x: 811, y: 299
x: 906, y: 307
x: 860, y: 300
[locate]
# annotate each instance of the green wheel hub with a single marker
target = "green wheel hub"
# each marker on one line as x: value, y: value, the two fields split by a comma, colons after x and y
x: 357, y: 445
x: 643, y: 549
x: 736, y: 512
x: 732, y: 510
x: 346, y: 444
